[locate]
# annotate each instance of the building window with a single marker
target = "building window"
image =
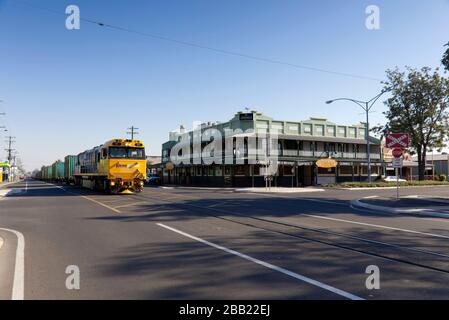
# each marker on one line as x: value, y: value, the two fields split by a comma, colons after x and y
x: 326, y: 170
x: 241, y: 170
x: 308, y: 128
x: 345, y: 170
x: 290, y: 144
x: 352, y: 132
x: 313, y: 146
x: 362, y: 132
x: 287, y: 170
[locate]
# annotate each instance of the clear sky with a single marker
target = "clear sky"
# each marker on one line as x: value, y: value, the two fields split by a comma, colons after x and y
x: 67, y: 91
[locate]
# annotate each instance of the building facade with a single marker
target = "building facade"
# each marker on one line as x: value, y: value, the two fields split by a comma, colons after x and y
x: 300, y: 146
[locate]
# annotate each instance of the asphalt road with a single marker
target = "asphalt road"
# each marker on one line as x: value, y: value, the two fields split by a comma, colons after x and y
x: 216, y: 244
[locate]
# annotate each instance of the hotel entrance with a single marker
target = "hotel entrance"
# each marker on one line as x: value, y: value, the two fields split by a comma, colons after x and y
x: 305, y: 174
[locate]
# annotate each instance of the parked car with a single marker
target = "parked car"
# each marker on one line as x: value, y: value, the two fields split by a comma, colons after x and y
x: 153, y: 179
x: 393, y: 179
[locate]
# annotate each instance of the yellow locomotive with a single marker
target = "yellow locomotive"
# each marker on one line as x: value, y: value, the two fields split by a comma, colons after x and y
x: 117, y: 166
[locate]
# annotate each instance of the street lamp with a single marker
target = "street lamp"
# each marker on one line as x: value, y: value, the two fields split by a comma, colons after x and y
x: 365, y: 105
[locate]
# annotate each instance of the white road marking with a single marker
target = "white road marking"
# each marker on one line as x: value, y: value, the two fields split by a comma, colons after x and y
x: 268, y: 265
x: 88, y: 198
x: 19, y: 271
x: 377, y: 226
x: 343, y: 220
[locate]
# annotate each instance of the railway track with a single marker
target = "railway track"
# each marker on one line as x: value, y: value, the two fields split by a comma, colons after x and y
x: 426, y: 259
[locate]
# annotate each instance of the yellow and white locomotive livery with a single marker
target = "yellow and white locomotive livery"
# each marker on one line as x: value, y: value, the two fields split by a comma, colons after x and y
x: 117, y: 166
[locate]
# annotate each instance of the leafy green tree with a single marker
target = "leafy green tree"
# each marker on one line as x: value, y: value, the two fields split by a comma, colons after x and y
x: 445, y: 60
x: 418, y: 106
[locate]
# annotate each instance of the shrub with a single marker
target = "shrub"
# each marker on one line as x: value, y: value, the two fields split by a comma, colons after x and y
x: 385, y: 184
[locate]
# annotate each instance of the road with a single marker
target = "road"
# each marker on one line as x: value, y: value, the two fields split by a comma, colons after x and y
x: 216, y: 244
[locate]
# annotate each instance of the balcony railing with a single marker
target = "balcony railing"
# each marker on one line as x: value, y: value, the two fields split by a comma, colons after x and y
x: 320, y: 154
x: 290, y: 153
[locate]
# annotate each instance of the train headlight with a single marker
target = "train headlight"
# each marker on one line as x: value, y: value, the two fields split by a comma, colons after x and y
x: 141, y: 183
x: 112, y: 183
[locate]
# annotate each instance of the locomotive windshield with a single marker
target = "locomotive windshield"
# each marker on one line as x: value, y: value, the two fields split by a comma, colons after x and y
x: 126, y: 153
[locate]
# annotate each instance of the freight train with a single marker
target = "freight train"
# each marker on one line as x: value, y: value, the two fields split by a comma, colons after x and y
x: 117, y: 166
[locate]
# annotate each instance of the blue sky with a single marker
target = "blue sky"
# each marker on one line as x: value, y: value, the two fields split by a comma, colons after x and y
x: 66, y: 91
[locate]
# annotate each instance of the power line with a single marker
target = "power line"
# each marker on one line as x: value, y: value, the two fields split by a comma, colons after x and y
x: 199, y: 46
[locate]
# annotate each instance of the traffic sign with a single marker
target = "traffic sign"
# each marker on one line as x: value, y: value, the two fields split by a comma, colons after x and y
x: 396, y: 140
x: 396, y: 152
x: 397, y: 163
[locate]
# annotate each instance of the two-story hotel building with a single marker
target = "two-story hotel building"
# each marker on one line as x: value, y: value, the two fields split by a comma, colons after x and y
x: 300, y: 145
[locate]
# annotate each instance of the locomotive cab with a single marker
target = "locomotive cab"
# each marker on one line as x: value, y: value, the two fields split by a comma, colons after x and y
x: 118, y: 166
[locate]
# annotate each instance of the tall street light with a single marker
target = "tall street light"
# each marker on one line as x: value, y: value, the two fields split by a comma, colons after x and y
x: 365, y: 105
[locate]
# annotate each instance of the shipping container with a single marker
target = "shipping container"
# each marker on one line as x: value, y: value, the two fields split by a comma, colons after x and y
x: 69, y: 168
x: 47, y: 173
x: 57, y: 171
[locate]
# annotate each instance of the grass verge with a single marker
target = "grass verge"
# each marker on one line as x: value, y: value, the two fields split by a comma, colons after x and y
x: 378, y: 184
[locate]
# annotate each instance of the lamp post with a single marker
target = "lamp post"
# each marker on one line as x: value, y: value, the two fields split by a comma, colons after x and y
x: 366, y: 106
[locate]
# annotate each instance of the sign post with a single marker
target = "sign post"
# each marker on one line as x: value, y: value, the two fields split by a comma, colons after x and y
x: 397, y: 184
x: 398, y: 142
x: 397, y: 164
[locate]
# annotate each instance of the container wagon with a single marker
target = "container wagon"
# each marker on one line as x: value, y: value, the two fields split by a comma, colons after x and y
x: 57, y: 171
x: 47, y: 173
x: 69, y: 168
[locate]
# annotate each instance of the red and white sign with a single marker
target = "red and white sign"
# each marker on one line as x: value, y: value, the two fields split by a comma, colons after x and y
x: 397, y: 140
x: 396, y: 152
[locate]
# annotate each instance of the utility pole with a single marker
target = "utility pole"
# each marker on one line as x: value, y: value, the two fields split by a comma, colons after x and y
x: 366, y: 106
x: 10, y: 141
x: 2, y: 114
x: 132, y: 132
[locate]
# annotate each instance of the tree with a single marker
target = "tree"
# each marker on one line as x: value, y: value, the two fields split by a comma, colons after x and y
x: 445, y: 60
x: 418, y: 106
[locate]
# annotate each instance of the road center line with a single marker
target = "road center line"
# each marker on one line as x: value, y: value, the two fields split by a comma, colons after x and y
x: 90, y: 199
x: 268, y: 265
x: 101, y: 204
x: 19, y: 268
